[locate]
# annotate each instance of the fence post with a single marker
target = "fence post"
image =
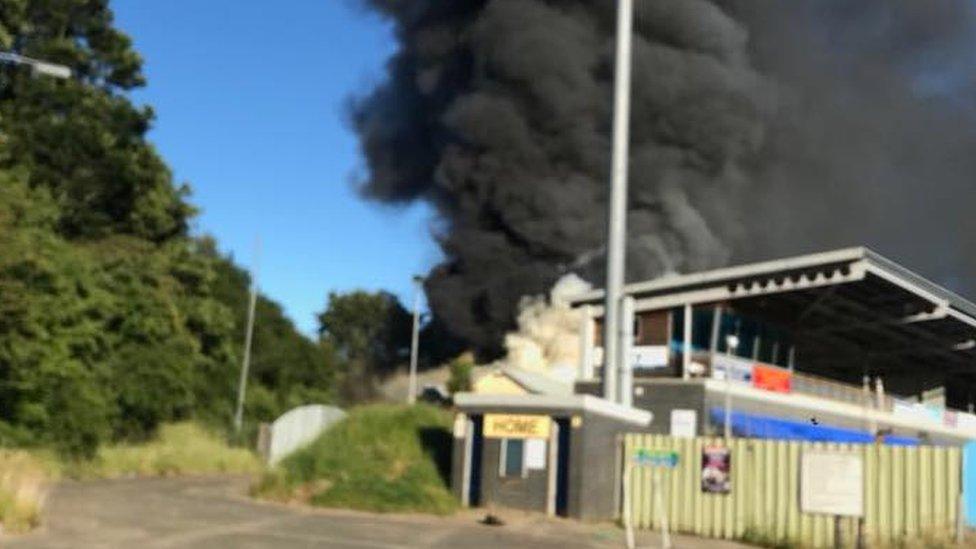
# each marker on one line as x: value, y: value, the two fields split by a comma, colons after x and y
x: 960, y: 519
x: 659, y: 500
x: 838, y: 538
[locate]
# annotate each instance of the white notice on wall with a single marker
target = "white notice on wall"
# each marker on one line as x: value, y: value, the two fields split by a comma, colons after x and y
x: 832, y: 483
x: 535, y: 453
x: 684, y: 423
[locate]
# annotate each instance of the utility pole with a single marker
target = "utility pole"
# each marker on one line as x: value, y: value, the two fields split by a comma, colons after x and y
x: 246, y: 364
x: 415, y: 339
x: 617, y: 204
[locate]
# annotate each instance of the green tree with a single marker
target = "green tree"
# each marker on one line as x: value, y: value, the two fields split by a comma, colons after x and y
x: 113, y: 318
x: 51, y: 341
x: 81, y: 138
x: 461, y: 369
x: 371, y: 333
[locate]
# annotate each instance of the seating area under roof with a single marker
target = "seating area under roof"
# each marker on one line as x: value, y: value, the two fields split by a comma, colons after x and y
x: 852, y: 312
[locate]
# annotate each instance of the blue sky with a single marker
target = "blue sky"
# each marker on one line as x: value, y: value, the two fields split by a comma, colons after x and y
x: 249, y: 102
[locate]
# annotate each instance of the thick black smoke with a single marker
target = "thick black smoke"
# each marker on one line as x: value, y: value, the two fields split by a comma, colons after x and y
x: 759, y: 128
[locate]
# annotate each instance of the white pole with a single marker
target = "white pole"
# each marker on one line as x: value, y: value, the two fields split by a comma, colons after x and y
x: 246, y: 364
x: 617, y: 203
x: 731, y: 343
x: 414, y: 341
x: 686, y: 349
x: 628, y: 523
x: 626, y: 377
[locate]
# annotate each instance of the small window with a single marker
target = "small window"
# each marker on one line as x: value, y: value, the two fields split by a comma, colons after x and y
x: 512, y: 458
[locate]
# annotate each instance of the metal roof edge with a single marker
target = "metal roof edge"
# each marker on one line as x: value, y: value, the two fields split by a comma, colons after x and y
x: 842, y: 255
x: 955, y: 300
x: 586, y: 403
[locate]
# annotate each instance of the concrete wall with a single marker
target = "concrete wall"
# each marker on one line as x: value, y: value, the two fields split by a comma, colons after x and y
x: 593, y: 468
x: 298, y: 427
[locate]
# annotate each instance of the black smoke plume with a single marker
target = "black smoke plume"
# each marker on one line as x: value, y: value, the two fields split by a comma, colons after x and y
x: 759, y: 128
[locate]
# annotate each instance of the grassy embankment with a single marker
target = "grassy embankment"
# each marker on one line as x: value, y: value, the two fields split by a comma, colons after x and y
x: 178, y: 449
x: 380, y: 458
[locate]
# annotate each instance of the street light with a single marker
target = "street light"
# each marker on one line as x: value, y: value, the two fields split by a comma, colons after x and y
x: 617, y: 205
x: 415, y: 339
x: 248, y: 336
x: 39, y: 67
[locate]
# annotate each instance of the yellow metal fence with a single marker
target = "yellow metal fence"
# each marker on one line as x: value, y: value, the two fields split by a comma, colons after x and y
x: 909, y: 492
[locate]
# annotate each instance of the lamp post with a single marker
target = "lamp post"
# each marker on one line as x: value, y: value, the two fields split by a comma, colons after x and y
x: 246, y: 362
x: 731, y: 342
x: 39, y: 67
x: 415, y: 339
x: 617, y: 204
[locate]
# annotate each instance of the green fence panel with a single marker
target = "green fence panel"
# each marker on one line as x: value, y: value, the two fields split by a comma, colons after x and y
x: 908, y: 492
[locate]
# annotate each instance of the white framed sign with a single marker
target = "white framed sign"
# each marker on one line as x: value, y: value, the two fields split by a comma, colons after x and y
x: 649, y: 357
x: 832, y: 483
x: 684, y: 423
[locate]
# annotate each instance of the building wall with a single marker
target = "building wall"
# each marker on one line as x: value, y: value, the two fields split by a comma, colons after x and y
x: 662, y: 396
x: 594, y: 468
x: 528, y: 493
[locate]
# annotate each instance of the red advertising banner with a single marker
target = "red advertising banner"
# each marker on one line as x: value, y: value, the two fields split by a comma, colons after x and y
x: 771, y: 379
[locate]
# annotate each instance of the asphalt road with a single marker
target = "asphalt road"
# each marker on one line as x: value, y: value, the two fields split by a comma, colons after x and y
x: 215, y: 513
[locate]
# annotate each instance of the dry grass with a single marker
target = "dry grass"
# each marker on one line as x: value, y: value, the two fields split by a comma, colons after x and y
x: 24, y: 482
x: 179, y: 449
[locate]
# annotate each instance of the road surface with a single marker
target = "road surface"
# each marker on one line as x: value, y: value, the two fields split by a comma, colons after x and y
x: 215, y: 513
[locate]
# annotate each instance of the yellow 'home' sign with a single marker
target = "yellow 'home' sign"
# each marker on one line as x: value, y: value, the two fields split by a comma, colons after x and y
x: 516, y: 426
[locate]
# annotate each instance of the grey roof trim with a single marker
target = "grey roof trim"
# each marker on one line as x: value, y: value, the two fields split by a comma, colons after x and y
x: 535, y: 382
x: 845, y: 256
x: 587, y: 403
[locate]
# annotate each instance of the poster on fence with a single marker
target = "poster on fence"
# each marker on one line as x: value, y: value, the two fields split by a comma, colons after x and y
x: 716, y: 470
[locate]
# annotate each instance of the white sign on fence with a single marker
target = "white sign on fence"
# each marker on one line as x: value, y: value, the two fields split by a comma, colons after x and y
x: 832, y: 483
